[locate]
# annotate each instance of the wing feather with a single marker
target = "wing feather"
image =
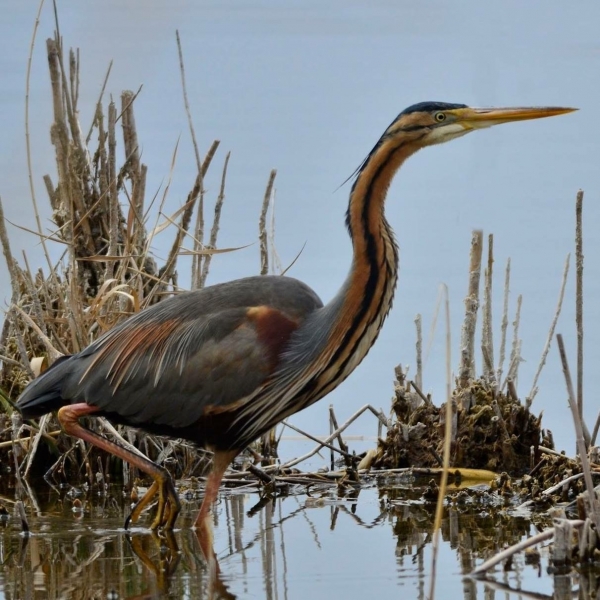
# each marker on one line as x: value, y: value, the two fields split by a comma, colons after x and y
x: 170, y: 364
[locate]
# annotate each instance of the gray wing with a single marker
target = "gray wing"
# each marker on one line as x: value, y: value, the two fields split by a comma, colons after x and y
x: 207, y: 348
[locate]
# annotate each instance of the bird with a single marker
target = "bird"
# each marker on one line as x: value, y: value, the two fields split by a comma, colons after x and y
x: 221, y: 365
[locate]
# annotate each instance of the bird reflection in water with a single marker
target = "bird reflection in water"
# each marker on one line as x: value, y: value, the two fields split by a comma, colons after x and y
x: 165, y: 565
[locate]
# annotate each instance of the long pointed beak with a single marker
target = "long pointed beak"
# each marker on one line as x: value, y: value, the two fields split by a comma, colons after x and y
x: 478, y: 118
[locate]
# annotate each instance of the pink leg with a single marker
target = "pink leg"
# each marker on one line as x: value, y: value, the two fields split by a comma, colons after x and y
x: 203, y: 524
x: 168, y: 502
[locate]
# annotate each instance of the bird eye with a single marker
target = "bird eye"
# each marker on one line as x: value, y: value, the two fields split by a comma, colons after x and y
x: 439, y: 117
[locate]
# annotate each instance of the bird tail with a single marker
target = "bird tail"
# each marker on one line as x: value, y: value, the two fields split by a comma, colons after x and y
x: 43, y: 394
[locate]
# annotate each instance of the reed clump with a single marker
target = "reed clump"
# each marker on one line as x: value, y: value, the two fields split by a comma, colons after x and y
x: 105, y: 229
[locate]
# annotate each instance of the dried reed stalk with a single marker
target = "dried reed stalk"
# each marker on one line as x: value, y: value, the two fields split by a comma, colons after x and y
x: 487, y: 338
x: 108, y: 270
x: 419, y: 351
x: 561, y: 295
x: 466, y: 371
x: 579, y: 297
x: 582, y: 440
x: 262, y: 225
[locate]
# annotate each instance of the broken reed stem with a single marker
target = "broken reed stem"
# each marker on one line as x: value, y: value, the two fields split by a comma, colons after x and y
x: 214, y: 232
x: 11, y: 263
x: 198, y: 189
x: 515, y: 353
x: 332, y: 428
x: 276, y: 266
x: 184, y: 223
x: 579, y: 296
x: 334, y: 434
x: 36, y: 211
x: 324, y: 444
x: 504, y: 325
x: 334, y: 425
x: 466, y: 370
x: 137, y: 174
x: 197, y: 260
x: 582, y: 443
x: 546, y: 349
x: 595, y: 432
x: 419, y: 351
x: 262, y: 225
x: 448, y: 342
x: 487, y: 338
x: 114, y: 211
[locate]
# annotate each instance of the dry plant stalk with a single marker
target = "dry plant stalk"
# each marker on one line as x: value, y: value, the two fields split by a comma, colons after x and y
x: 561, y: 295
x: 582, y: 438
x: 579, y: 297
x: 262, y: 225
x: 419, y: 351
x: 466, y: 372
x: 487, y: 338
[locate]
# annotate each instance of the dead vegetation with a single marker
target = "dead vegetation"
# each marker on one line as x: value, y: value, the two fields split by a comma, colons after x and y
x: 106, y: 229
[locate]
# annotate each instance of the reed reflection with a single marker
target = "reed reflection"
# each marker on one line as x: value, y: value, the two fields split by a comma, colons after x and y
x: 78, y: 549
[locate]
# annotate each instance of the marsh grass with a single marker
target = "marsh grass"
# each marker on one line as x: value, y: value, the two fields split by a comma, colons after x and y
x: 105, y: 228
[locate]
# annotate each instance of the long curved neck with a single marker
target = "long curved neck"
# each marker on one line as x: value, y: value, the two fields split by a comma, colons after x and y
x: 334, y: 339
x: 357, y: 312
x: 366, y: 296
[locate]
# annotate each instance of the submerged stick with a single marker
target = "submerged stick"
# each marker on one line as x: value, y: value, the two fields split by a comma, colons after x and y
x: 522, y: 545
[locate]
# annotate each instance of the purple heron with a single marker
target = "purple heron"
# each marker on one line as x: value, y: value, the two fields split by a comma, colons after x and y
x: 222, y: 365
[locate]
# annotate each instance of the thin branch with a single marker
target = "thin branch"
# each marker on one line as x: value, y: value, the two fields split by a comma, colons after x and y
x: 36, y: 211
x: 199, y: 228
x: 579, y: 297
x: 546, y: 349
x: 334, y: 435
x: 262, y: 225
x: 582, y: 442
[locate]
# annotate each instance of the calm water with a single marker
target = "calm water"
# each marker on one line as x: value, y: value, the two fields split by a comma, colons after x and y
x: 375, y: 542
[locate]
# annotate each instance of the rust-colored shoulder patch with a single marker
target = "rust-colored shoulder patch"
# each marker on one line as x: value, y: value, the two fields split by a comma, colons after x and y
x: 273, y: 329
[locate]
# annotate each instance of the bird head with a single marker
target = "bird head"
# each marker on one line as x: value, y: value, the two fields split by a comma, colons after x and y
x: 429, y: 123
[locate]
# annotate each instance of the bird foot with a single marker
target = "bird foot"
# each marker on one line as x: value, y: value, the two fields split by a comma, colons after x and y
x: 168, y: 507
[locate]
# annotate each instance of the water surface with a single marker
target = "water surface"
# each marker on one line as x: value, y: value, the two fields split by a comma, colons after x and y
x: 375, y: 540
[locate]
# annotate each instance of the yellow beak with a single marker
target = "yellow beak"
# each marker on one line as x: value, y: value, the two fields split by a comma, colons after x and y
x: 478, y: 118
